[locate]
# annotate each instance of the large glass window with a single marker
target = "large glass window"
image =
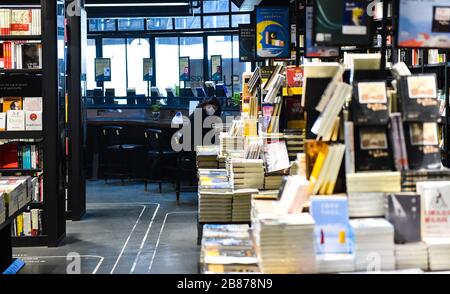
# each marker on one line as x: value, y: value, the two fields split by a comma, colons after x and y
x: 131, y: 24
x: 137, y: 50
x: 216, y: 21
x: 238, y: 19
x: 102, y: 25
x: 192, y: 47
x: 221, y: 45
x: 166, y: 50
x: 238, y: 67
x: 234, y: 8
x: 159, y: 23
x: 192, y: 22
x: 115, y: 49
x: 216, y: 6
x: 90, y: 64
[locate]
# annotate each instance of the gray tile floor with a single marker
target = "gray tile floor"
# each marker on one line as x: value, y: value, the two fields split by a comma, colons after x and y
x: 125, y: 231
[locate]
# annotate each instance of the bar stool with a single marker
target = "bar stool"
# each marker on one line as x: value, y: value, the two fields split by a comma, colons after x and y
x: 159, y: 157
x: 113, y: 148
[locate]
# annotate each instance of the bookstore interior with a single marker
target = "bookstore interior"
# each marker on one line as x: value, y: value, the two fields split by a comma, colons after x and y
x: 224, y: 136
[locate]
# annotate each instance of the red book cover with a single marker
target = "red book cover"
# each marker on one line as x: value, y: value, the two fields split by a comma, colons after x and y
x: 294, y: 76
x: 10, y: 156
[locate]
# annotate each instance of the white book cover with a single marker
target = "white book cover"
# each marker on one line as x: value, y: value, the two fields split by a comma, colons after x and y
x: 33, y: 120
x: 32, y: 104
x: 2, y: 121
x: 27, y: 223
x: 15, y: 120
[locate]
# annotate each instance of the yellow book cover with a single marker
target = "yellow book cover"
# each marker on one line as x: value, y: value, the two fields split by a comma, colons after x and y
x: 312, y: 149
x: 317, y: 167
x: 20, y: 225
x: 12, y: 103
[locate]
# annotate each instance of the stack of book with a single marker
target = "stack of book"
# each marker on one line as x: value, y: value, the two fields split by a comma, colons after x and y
x: 284, y: 243
x: 295, y: 142
x: 438, y: 253
x: 242, y: 204
x: 247, y: 173
x: 374, y: 244
x: 214, y: 196
x: 411, y: 177
x: 335, y: 263
x: 273, y: 181
x: 366, y: 204
x: 231, y: 143
x: 227, y: 249
x: 374, y: 181
x: 412, y: 255
x: 207, y: 156
x: 222, y: 161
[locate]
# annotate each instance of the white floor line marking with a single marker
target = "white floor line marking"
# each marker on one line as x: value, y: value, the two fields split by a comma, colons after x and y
x: 41, y: 257
x: 160, y: 233
x: 128, y: 239
x: 144, y: 240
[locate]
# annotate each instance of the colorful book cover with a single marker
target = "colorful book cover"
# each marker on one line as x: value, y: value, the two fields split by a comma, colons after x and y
x: 273, y: 32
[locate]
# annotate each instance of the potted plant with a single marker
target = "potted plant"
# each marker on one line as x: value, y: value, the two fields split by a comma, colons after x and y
x: 156, y: 111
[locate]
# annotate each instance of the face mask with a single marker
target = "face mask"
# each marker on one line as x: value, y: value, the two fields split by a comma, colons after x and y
x: 210, y: 110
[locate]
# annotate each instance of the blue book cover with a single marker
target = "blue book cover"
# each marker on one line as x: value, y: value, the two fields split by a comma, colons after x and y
x: 332, y: 228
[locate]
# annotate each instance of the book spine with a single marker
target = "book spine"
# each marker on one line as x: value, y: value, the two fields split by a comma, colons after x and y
x: 349, y: 135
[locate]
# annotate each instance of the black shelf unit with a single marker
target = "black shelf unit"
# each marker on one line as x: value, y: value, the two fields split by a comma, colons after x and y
x: 46, y: 83
x: 21, y: 38
x: 20, y: 170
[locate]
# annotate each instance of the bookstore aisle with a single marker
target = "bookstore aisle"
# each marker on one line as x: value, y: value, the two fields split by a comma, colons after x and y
x: 124, y: 231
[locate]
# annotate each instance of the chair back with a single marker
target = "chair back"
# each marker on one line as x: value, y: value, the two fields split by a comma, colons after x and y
x: 111, y: 136
x: 154, y: 139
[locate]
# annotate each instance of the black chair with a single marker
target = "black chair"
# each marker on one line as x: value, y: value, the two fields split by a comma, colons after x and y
x: 99, y: 99
x: 131, y: 96
x: 159, y: 157
x: 116, y: 156
x: 109, y: 96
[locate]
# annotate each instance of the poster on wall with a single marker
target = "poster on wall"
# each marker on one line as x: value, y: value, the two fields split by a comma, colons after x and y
x: 428, y: 29
x: 247, y: 42
x: 216, y: 68
x: 311, y: 50
x: 103, y: 69
x: 148, y: 69
x: 185, y: 69
x: 273, y: 32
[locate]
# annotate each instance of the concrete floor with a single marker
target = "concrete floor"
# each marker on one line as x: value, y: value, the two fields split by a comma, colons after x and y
x: 125, y: 231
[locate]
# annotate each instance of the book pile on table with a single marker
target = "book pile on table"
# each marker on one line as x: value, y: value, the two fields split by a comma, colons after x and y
x: 366, y: 204
x: 273, y: 181
x: 242, y: 205
x: 214, y: 196
x: 374, y: 181
x: 335, y: 263
x: 411, y: 255
x: 438, y: 253
x: 294, y: 141
x: 227, y: 249
x: 230, y: 143
x: 207, y: 156
x: 411, y: 177
x: 284, y: 243
x: 247, y: 173
x: 374, y: 244
x: 222, y: 161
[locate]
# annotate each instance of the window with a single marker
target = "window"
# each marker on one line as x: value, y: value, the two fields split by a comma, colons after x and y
x: 115, y: 49
x: 192, y: 22
x: 137, y: 50
x: 234, y: 8
x: 131, y: 24
x: 216, y: 6
x: 238, y: 67
x: 102, y: 25
x: 193, y: 48
x: 90, y: 64
x: 166, y: 59
x: 238, y: 19
x: 159, y: 23
x: 216, y: 21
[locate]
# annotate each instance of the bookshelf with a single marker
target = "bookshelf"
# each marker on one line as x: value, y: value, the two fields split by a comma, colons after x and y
x: 46, y: 83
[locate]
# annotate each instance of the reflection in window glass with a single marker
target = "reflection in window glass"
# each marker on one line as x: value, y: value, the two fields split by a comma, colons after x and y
x: 238, y: 19
x: 102, y: 25
x: 221, y: 45
x: 137, y: 50
x: 238, y: 67
x: 216, y: 6
x: 192, y: 22
x: 166, y: 50
x: 131, y: 24
x: 90, y: 64
x: 115, y: 49
x: 193, y: 48
x: 159, y: 23
x: 234, y: 8
x: 216, y: 21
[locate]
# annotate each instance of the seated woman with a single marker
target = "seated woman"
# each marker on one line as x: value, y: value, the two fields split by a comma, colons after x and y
x: 207, y: 113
